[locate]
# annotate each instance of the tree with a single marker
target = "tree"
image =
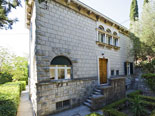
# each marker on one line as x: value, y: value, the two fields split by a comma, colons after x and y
x: 20, y: 70
x: 147, y: 27
x: 5, y: 8
x: 145, y: 2
x: 5, y: 67
x: 134, y: 11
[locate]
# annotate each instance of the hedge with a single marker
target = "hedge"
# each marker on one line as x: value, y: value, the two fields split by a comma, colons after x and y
x: 22, y: 84
x: 113, y: 112
x: 10, y: 97
x: 94, y: 114
x: 133, y: 94
x: 119, y: 103
x: 153, y: 113
x: 111, y: 109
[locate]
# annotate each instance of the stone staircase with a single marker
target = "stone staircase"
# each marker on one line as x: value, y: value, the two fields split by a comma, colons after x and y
x: 96, y: 95
x: 106, y: 94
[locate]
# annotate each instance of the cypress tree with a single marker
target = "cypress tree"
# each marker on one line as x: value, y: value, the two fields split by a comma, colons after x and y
x: 134, y: 11
x: 145, y: 2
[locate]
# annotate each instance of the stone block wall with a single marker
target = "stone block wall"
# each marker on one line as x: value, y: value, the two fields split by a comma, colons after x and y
x: 112, y: 92
x: 49, y: 93
x: 62, y: 31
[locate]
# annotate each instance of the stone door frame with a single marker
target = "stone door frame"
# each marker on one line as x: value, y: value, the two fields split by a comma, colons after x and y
x: 108, y: 62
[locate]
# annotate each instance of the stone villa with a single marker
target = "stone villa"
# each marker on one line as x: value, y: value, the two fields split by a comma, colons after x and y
x: 75, y: 53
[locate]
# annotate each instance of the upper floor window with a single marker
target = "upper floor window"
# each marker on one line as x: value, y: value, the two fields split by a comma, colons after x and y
x: 109, y: 37
x: 114, y: 33
x: 101, y: 27
x: 60, y: 68
x: 115, y: 41
x: 101, y: 35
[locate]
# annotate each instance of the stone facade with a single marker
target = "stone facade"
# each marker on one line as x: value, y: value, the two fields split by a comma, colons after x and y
x: 58, y: 30
x: 50, y: 93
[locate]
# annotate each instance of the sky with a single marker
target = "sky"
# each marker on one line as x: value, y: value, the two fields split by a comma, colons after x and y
x: 17, y: 39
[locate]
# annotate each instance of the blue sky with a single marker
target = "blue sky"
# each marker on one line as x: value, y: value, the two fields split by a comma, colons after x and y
x: 17, y: 39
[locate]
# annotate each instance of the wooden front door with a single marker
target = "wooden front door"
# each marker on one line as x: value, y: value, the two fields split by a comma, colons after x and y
x: 103, y: 70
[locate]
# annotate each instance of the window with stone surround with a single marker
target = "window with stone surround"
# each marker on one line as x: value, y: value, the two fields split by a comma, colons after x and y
x: 60, y: 68
x: 115, y: 41
x: 101, y: 35
x: 109, y: 37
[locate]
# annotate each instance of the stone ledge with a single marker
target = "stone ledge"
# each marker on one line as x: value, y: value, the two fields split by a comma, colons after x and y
x: 116, y: 78
x: 66, y: 80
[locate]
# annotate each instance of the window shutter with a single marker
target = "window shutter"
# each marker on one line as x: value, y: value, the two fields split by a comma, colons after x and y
x: 131, y: 68
x: 125, y: 68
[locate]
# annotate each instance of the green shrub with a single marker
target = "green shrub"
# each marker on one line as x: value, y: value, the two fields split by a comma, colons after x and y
x: 150, y: 105
x: 22, y: 84
x: 118, y: 104
x: 137, y: 107
x: 150, y: 80
x: 147, y: 98
x: 135, y: 93
x: 153, y: 113
x: 148, y: 67
x: 113, y: 112
x: 5, y: 77
x: 94, y: 114
x: 9, y: 99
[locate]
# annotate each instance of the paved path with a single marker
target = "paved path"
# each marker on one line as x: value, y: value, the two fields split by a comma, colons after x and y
x: 77, y: 111
x: 25, y: 107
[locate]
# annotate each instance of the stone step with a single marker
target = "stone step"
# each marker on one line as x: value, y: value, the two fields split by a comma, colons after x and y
x: 97, y: 90
x: 105, y: 86
x: 96, y: 96
x: 87, y: 104
x: 89, y: 101
x: 96, y: 93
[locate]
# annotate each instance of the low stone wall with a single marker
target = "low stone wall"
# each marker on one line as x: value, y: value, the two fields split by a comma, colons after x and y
x: 118, y: 89
x: 50, y: 93
x: 112, y: 92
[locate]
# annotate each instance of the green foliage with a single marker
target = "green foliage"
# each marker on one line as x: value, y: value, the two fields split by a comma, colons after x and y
x: 145, y: 2
x: 136, y: 101
x: 12, y: 67
x: 146, y: 26
x: 9, y: 99
x: 94, y: 114
x: 136, y: 49
x: 150, y: 80
x: 5, y: 77
x: 5, y: 8
x: 118, y: 104
x: 22, y: 84
x: 153, y: 113
x: 137, y: 107
x: 113, y: 112
x: 148, y: 67
x: 20, y: 71
x: 134, y: 11
x: 112, y: 109
x: 135, y: 93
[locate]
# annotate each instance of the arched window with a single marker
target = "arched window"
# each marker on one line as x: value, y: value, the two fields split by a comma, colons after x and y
x: 108, y: 30
x: 60, y: 68
x: 101, y: 35
x: 115, y: 39
x: 114, y: 33
x: 109, y: 37
x: 101, y: 27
